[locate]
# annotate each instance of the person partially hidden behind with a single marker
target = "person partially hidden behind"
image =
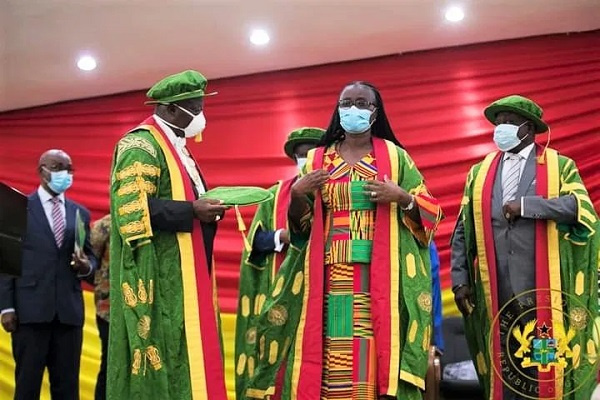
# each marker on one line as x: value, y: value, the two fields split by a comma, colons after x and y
x: 99, y: 237
x: 269, y: 239
x: 43, y: 309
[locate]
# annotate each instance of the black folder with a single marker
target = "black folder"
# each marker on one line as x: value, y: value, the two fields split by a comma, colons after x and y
x: 13, y: 223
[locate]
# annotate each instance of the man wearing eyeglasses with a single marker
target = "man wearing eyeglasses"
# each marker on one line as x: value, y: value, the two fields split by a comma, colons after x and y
x: 43, y: 309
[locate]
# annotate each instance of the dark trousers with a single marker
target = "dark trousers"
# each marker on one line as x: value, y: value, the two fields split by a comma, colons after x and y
x: 101, y: 382
x: 53, y: 345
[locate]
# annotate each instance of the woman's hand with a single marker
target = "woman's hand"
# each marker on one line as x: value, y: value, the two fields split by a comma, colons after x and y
x: 387, y: 192
x: 309, y: 183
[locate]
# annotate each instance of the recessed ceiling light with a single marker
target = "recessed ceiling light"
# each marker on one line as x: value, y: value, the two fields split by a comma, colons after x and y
x: 455, y: 14
x: 259, y: 37
x: 86, y: 63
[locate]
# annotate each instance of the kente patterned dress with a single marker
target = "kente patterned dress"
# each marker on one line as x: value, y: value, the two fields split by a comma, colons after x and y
x: 348, y: 348
x: 350, y: 309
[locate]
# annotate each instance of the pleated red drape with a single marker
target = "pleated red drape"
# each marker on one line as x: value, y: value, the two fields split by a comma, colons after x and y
x: 434, y: 100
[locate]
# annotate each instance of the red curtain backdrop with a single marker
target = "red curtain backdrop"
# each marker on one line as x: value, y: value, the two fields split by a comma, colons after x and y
x: 434, y: 100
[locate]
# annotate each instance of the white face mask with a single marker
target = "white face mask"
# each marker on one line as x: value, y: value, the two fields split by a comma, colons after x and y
x: 300, y: 162
x: 196, y: 125
x: 506, y: 136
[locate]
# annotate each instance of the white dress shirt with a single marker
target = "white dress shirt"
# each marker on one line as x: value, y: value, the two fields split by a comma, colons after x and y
x: 277, y: 239
x: 183, y: 154
x: 523, y: 156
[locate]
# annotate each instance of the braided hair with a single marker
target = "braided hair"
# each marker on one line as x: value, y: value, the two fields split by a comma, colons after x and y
x: 381, y: 127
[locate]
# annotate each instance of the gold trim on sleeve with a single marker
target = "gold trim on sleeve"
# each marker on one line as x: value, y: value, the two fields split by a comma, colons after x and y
x: 135, y: 142
x: 133, y: 227
x: 137, y: 169
x: 131, y: 207
x: 138, y: 186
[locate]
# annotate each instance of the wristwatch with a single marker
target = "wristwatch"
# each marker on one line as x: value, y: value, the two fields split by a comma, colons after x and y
x: 410, y: 205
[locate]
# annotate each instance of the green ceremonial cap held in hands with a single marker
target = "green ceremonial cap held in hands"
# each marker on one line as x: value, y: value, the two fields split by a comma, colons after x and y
x: 239, y: 195
x: 182, y: 86
x: 302, y: 136
x: 519, y: 105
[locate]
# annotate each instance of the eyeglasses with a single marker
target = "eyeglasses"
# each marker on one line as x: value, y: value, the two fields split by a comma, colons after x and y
x: 191, y: 113
x: 56, y: 168
x: 359, y: 103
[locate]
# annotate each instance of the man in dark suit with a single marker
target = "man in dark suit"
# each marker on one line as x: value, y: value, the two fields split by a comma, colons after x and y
x: 43, y: 309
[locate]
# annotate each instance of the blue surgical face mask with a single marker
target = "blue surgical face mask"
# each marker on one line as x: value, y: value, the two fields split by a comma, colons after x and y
x: 59, y: 181
x: 506, y: 136
x: 355, y: 120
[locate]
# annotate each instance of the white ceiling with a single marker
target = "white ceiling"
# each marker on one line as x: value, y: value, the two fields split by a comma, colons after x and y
x: 138, y: 42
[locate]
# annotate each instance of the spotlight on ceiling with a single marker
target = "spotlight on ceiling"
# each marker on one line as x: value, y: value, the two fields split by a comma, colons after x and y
x: 86, y: 63
x: 259, y: 37
x: 454, y: 14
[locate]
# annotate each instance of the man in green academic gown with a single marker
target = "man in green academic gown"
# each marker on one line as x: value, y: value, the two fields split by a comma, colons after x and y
x: 269, y: 239
x: 524, y: 264
x: 164, y: 342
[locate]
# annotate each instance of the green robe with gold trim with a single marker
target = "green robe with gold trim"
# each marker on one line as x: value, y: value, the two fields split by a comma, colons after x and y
x: 148, y: 350
x: 257, y: 273
x: 579, y: 245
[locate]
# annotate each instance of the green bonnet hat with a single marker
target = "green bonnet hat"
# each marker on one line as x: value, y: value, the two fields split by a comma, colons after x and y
x: 182, y: 86
x: 302, y: 136
x: 519, y: 105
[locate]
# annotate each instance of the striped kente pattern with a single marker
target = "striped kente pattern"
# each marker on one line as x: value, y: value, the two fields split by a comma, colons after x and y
x: 349, y: 212
x: 349, y: 364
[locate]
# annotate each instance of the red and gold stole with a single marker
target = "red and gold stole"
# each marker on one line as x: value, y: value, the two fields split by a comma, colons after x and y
x: 202, y: 336
x: 547, y: 260
x: 280, y: 217
x: 385, y: 287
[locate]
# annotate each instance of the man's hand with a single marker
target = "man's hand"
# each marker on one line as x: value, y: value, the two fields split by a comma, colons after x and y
x: 80, y: 263
x: 512, y: 210
x: 284, y: 236
x: 464, y: 300
x: 208, y: 210
x: 309, y: 183
x: 9, y: 321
